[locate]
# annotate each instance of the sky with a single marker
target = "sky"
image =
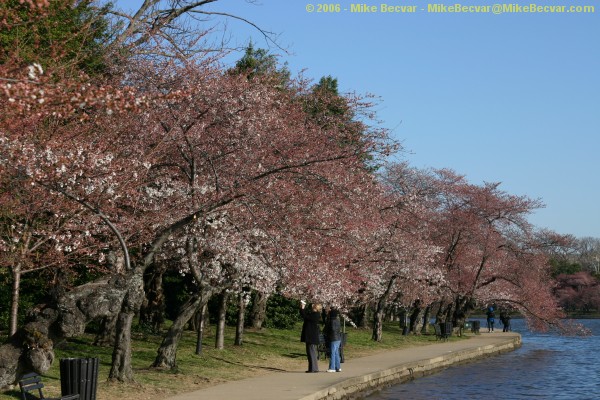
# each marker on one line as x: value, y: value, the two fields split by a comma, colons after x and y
x: 511, y: 97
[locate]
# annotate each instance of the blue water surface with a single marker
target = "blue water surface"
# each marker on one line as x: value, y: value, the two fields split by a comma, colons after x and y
x: 547, y: 366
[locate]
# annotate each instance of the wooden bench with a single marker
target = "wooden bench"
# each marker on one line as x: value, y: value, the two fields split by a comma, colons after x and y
x: 32, y: 382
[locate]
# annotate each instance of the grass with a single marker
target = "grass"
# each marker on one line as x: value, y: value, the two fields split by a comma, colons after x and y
x: 263, y: 351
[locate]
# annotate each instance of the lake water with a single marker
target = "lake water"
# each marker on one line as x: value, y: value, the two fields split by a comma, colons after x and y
x: 547, y: 366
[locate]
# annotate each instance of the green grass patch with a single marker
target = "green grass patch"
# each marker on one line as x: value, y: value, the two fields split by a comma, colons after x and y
x: 263, y: 351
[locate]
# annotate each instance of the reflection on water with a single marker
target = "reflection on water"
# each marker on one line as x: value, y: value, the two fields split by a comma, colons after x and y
x: 547, y: 366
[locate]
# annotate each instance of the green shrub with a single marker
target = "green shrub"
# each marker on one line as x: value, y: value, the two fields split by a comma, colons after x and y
x: 282, y: 313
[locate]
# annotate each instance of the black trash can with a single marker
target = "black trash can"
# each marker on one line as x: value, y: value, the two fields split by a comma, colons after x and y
x: 79, y: 376
x: 475, y: 326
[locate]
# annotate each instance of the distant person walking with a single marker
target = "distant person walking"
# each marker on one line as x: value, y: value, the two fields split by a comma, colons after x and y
x: 490, y: 319
x: 333, y: 331
x: 505, y: 319
x: 310, y: 334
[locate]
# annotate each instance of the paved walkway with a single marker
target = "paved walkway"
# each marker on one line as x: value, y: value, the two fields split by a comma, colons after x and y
x: 365, y: 373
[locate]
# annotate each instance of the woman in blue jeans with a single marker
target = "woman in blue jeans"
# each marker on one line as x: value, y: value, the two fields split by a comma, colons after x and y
x: 333, y: 332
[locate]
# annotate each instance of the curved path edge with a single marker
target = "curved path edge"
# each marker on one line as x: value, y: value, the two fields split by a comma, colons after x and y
x: 363, y: 375
x: 365, y: 384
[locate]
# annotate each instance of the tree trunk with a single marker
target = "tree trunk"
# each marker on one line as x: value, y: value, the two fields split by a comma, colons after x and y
x: 239, y: 330
x: 33, y: 342
x: 14, y: 305
x: 108, y: 332
x: 121, y: 358
x: 380, y: 311
x: 377, y: 324
x: 362, y: 316
x: 167, y: 352
x: 153, y: 307
x: 402, y: 316
x: 200, y: 330
x: 121, y: 369
x: 440, y: 316
x: 194, y: 322
x: 450, y: 312
x: 391, y: 313
x: 220, y: 333
x: 259, y: 310
x: 416, y: 318
x: 426, y: 318
x: 463, y: 306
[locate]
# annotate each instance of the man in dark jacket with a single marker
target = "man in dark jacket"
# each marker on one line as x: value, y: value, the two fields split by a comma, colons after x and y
x: 505, y: 319
x: 310, y: 334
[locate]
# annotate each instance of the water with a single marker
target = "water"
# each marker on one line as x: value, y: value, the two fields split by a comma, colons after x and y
x: 547, y: 366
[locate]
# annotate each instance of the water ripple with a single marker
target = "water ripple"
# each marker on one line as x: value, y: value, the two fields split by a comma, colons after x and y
x: 547, y: 366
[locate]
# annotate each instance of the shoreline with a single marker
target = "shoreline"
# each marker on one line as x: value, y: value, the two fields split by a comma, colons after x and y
x: 362, y: 376
x: 365, y: 385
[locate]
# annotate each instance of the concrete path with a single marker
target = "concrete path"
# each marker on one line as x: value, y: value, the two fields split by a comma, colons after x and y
x: 361, y: 374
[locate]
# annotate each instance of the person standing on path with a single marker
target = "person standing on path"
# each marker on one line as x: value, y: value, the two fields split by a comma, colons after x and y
x: 310, y: 334
x: 490, y: 319
x: 333, y: 331
x: 505, y: 319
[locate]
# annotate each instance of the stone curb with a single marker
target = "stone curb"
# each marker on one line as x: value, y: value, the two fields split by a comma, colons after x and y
x: 362, y: 385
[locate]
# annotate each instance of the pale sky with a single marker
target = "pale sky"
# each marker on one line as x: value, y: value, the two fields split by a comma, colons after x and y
x: 511, y: 98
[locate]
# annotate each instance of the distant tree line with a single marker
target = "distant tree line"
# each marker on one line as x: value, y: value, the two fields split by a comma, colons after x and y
x: 577, y: 272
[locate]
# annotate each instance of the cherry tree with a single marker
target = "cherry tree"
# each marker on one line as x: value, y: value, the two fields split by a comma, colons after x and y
x: 141, y: 177
x: 491, y: 253
x: 38, y: 91
x: 402, y: 269
x: 220, y: 258
x: 63, y: 58
x: 272, y: 199
x: 38, y: 233
x: 221, y: 142
x: 56, y: 142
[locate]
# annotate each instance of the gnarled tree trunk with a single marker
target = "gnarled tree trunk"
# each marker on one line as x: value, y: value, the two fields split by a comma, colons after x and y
x: 426, y: 318
x: 416, y: 318
x: 440, y: 316
x: 167, y: 352
x: 361, y: 314
x: 462, y: 308
x: 380, y: 311
x: 259, y: 310
x: 31, y: 347
x: 153, y: 307
x: 121, y: 369
x: 108, y: 332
